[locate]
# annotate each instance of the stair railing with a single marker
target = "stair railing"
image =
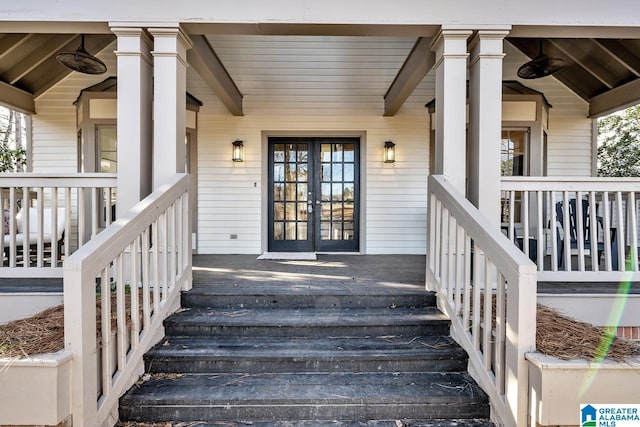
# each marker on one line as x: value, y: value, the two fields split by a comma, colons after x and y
x: 118, y: 289
x: 488, y: 289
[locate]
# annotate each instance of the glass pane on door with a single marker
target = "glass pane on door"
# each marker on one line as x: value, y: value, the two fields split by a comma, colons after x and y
x: 290, y: 184
x: 313, y: 194
x: 337, y: 183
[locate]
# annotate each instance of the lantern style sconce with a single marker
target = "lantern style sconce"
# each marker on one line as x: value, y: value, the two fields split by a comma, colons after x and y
x: 389, y: 152
x: 238, y: 151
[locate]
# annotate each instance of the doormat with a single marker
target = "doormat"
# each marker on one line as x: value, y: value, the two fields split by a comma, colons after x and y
x: 294, y: 256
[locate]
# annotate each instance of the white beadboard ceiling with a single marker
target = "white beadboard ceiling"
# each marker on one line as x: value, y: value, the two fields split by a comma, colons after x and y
x: 357, y: 69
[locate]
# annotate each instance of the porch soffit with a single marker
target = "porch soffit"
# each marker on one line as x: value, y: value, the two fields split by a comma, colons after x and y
x: 603, y: 72
x: 28, y: 65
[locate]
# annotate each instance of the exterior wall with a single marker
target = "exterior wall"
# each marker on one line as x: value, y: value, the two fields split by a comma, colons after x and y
x: 394, y: 194
x: 292, y: 96
x: 569, y: 138
x: 54, y: 126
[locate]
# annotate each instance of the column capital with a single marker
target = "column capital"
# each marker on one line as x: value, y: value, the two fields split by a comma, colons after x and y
x: 169, y: 42
x: 487, y: 44
x: 450, y: 44
x: 172, y: 32
x: 449, y: 34
x: 133, y: 41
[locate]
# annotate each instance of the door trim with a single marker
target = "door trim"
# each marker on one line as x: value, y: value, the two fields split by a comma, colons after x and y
x: 264, y: 179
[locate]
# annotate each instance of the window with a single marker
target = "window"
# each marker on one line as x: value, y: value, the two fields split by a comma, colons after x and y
x: 514, y: 161
x: 514, y: 147
x: 14, y: 141
x: 107, y: 149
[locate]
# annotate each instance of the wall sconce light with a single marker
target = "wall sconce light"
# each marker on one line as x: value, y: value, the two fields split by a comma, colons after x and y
x: 389, y: 152
x: 238, y: 151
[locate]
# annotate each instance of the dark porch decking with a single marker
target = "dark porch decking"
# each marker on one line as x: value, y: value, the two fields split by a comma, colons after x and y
x: 339, y: 274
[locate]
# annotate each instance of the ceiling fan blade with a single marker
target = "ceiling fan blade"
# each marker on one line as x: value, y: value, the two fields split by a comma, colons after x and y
x: 80, y: 60
x: 541, y: 66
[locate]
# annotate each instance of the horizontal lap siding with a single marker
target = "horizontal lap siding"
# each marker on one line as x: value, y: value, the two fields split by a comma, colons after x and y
x: 340, y: 90
x: 54, y: 126
x: 569, y: 139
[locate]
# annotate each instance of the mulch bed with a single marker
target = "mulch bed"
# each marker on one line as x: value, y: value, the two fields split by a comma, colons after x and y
x: 566, y: 339
x: 557, y: 336
x: 44, y: 331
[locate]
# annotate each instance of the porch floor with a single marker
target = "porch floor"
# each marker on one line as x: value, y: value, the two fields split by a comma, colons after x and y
x: 338, y: 274
x: 329, y: 274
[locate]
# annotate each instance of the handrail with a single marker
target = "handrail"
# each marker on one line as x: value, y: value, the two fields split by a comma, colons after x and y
x: 488, y: 290
x: 595, y: 239
x: 51, y: 214
x: 139, y: 264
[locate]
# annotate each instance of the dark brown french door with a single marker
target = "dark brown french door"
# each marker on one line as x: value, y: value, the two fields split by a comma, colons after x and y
x: 313, y: 194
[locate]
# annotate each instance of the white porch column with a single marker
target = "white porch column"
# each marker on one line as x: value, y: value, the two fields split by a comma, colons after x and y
x: 170, y: 85
x: 134, y: 116
x: 450, y: 47
x: 485, y: 120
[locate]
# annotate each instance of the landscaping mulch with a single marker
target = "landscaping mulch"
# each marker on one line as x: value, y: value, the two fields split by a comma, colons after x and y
x: 565, y: 338
x: 44, y: 332
x: 41, y: 333
x: 557, y: 336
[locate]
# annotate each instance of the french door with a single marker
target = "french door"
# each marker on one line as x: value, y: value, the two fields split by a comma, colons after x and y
x: 314, y: 194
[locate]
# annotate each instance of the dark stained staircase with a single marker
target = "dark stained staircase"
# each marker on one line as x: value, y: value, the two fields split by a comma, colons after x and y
x: 309, y: 360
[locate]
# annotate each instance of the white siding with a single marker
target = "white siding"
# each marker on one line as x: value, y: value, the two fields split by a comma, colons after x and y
x: 54, y: 125
x: 569, y: 139
x: 312, y: 85
x: 307, y: 85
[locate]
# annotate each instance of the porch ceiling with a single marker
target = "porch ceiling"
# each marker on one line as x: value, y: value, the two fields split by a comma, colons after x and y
x: 603, y: 72
x: 363, y: 69
x: 28, y: 65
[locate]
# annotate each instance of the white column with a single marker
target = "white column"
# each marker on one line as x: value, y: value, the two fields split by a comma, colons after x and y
x: 170, y: 85
x: 450, y: 47
x: 134, y: 116
x: 485, y: 120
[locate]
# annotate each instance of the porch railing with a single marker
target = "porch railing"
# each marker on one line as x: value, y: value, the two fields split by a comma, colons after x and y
x: 118, y: 289
x: 575, y: 229
x: 48, y: 217
x: 488, y: 290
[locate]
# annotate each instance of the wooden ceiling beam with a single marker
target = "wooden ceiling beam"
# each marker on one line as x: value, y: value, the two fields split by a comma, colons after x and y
x: 415, y: 67
x: 17, y: 99
x: 9, y: 42
x: 583, y: 59
x: 49, y: 72
x: 627, y: 58
x: 206, y: 63
x: 616, y: 99
x: 567, y: 75
x: 48, y: 49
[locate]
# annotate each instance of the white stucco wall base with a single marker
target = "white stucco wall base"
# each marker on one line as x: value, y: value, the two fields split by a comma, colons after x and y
x: 597, y: 309
x: 36, y: 391
x: 557, y: 388
x: 19, y: 306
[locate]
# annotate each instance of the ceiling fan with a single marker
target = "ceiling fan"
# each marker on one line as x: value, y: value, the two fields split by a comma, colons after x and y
x: 540, y: 66
x: 80, y: 60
